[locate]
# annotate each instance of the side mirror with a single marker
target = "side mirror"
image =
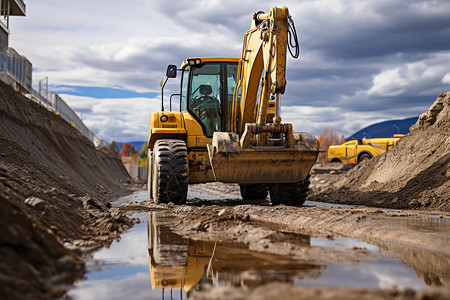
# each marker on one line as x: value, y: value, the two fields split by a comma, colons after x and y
x: 171, y: 71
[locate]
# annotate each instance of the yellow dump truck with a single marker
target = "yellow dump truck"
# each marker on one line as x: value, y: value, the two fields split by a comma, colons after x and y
x: 355, y: 151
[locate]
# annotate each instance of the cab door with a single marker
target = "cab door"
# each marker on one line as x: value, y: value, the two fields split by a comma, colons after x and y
x: 207, y: 96
x: 204, y: 101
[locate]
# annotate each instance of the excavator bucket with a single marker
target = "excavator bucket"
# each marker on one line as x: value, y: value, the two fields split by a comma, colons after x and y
x: 235, y: 162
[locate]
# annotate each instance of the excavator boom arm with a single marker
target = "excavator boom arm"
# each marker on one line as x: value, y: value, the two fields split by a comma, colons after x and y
x: 264, y: 50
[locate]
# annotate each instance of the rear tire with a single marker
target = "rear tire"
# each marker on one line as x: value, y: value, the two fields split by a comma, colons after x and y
x: 169, y: 172
x: 289, y: 193
x: 258, y: 191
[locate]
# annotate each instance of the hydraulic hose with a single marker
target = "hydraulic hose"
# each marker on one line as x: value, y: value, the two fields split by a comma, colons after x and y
x: 293, y: 44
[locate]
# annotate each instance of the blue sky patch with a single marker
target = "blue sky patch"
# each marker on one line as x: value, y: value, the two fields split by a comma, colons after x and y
x: 99, y: 92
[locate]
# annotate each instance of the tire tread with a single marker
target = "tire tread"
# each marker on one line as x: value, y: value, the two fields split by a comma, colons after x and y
x: 170, y: 157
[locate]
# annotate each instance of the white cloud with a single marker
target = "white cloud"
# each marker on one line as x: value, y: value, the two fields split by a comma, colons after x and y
x: 388, y: 83
x: 446, y: 78
x: 419, y: 77
x: 115, y: 119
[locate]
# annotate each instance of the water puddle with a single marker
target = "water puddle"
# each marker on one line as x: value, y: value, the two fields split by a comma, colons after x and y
x: 121, y: 271
x: 153, y: 262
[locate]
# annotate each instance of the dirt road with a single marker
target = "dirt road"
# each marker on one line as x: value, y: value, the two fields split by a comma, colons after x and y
x: 338, y: 236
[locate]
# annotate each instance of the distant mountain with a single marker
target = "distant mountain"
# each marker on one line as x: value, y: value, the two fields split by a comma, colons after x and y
x: 137, y: 145
x: 384, y: 129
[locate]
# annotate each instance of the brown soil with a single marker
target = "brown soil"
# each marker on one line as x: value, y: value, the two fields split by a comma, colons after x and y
x: 413, y: 175
x: 54, y: 193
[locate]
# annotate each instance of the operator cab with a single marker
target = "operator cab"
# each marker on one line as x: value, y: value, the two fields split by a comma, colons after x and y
x: 207, y: 86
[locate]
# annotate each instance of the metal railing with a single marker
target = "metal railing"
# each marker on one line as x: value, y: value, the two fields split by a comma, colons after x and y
x: 15, y: 69
x: 142, y: 172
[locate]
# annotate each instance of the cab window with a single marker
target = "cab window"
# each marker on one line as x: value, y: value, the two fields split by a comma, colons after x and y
x: 204, y: 98
x: 184, y: 89
x: 232, y: 70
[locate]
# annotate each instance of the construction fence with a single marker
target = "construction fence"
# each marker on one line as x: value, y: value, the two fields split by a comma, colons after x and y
x: 142, y: 172
x: 15, y: 70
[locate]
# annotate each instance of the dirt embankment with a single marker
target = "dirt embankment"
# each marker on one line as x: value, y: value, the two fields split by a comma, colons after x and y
x: 54, y: 193
x: 413, y: 175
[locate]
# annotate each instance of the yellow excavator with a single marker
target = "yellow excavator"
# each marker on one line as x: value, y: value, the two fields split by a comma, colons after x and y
x: 228, y: 127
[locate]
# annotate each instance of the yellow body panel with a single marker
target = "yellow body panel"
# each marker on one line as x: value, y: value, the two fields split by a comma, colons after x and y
x: 196, y: 137
x: 351, y: 151
x: 174, y: 127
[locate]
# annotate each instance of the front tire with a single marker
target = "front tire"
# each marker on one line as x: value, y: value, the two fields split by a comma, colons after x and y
x: 169, y: 172
x: 258, y: 191
x: 364, y: 156
x: 149, y: 173
x: 289, y: 193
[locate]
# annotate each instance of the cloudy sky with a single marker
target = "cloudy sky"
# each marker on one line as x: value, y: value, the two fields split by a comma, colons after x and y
x: 361, y: 62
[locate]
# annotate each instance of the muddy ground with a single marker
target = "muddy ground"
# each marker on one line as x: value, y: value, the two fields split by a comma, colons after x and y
x: 215, y: 212
x: 413, y: 177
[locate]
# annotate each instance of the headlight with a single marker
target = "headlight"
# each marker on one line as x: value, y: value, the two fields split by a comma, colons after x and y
x: 195, y: 62
x: 164, y: 118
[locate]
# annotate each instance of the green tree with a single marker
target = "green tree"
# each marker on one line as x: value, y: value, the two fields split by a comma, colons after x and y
x: 113, y: 145
x: 143, y: 153
x: 143, y: 157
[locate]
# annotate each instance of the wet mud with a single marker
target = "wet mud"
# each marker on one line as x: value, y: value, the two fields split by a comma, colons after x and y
x: 219, y: 247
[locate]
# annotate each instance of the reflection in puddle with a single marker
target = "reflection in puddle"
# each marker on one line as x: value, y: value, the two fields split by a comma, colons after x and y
x: 342, y: 244
x: 186, y: 264
x: 178, y: 266
x: 181, y: 264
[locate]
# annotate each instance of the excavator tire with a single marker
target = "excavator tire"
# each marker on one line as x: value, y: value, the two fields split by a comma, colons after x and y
x: 169, y: 172
x: 289, y: 193
x: 149, y: 173
x: 254, y: 191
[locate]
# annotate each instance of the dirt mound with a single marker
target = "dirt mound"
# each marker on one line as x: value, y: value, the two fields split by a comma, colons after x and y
x: 413, y: 175
x: 54, y: 193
